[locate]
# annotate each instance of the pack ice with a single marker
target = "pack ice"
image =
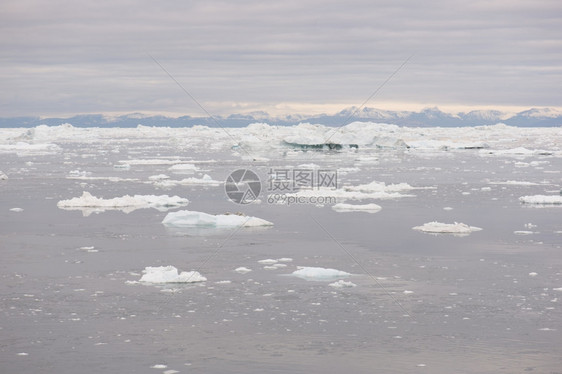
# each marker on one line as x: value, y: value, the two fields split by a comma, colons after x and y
x: 542, y: 199
x: 190, y: 218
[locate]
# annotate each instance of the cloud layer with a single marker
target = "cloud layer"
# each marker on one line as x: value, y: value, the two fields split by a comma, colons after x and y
x: 66, y: 57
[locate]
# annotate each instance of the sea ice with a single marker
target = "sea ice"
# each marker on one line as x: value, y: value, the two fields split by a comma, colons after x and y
x: 183, y: 168
x: 3, y: 176
x: 542, y: 199
x: 446, y: 228
x: 369, y: 208
x: 16, y: 210
x: 319, y: 274
x: 188, y: 218
x: 125, y: 203
x: 242, y: 270
x: 206, y: 180
x: 169, y: 274
x: 342, y: 284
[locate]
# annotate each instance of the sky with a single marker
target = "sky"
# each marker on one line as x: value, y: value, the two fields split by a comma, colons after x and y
x: 66, y: 57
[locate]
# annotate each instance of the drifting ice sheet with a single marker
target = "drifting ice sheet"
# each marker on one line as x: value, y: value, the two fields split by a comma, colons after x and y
x: 169, y: 274
x: 369, y: 208
x: 125, y: 203
x: 189, y: 218
x: 542, y: 199
x: 447, y: 228
x: 319, y: 274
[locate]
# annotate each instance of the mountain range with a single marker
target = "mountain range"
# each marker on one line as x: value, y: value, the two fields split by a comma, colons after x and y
x: 429, y: 117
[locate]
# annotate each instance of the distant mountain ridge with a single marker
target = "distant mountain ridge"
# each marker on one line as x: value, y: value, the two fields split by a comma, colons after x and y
x: 428, y: 117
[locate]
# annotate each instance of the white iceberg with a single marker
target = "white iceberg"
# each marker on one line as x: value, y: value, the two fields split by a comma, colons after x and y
x: 319, y: 274
x: 169, y: 274
x: 188, y: 218
x: 125, y: 203
x: 542, y: 199
x: 447, y: 228
x: 3, y: 176
x: 369, y: 208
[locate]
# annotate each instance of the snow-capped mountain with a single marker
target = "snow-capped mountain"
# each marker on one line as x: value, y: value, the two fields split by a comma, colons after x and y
x: 428, y: 117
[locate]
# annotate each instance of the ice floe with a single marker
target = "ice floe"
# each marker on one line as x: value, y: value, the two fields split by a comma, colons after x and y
x: 369, y: 208
x: 169, y: 274
x: 3, y: 176
x: 206, y: 180
x: 447, y: 228
x: 16, y: 210
x: 188, y: 218
x: 89, y: 203
x: 319, y: 274
x: 541, y: 199
x: 342, y: 284
x: 242, y: 270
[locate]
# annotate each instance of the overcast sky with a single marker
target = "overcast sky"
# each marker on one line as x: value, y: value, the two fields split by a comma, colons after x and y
x: 67, y: 57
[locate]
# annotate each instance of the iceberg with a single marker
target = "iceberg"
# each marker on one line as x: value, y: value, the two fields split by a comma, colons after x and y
x: 446, y: 228
x: 319, y: 274
x: 125, y: 203
x: 541, y: 199
x: 3, y: 176
x: 169, y: 274
x: 188, y: 218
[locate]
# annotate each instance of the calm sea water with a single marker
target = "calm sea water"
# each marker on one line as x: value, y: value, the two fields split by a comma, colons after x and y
x: 489, y: 302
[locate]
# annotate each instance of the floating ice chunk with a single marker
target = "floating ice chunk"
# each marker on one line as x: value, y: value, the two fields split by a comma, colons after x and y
x: 16, y: 210
x: 169, y: 274
x: 369, y: 208
x: 3, y: 176
x: 533, y: 274
x: 79, y: 173
x: 26, y: 149
x: 268, y: 261
x: 342, y: 284
x: 23, y: 354
x: 183, y: 168
x: 523, y: 232
x: 159, y: 366
x: 151, y: 162
x: 542, y: 199
x: 285, y: 259
x: 242, y: 270
x: 158, y: 177
x: 188, y: 218
x: 122, y: 166
x: 125, y: 203
x: 446, y: 228
x: 515, y: 183
x: 319, y: 274
x: 447, y: 208
x: 206, y: 180
x: 408, y: 292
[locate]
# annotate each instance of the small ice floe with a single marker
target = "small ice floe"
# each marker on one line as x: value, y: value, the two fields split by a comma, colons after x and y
x: 206, y: 180
x: 342, y: 284
x: 542, y: 199
x: 79, y: 174
x: 188, y: 218
x: 3, y: 176
x: 16, y: 210
x: 183, y: 168
x: 169, y: 274
x: 159, y: 366
x: 126, y: 203
x: 515, y: 183
x: 319, y: 274
x: 446, y: 228
x: 447, y: 208
x: 533, y: 274
x: 158, y: 177
x: 23, y: 354
x: 408, y: 292
x: 122, y: 166
x: 242, y: 270
x: 268, y: 261
x: 368, y: 208
x: 523, y: 232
